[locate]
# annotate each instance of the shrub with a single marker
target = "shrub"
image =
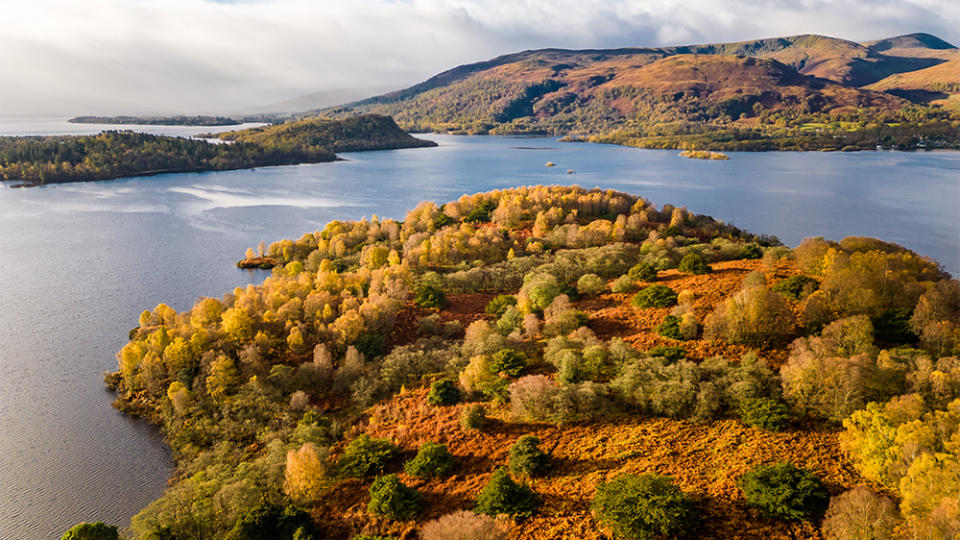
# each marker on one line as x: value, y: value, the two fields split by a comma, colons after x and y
x: 643, y: 506
x: 527, y: 458
x: 860, y: 514
x: 474, y: 417
x: 443, y: 392
x: 785, y: 490
x: 432, y: 459
x: 694, y: 263
x: 643, y: 271
x: 366, y: 456
x: 670, y: 328
x: 502, y: 495
x: 462, y: 525
x: 764, y: 412
x: 508, y: 362
x: 796, y: 287
x: 428, y: 296
x: 91, y: 531
x: 498, y: 305
x: 623, y: 284
x: 591, y: 284
x: 688, y: 326
x: 655, y: 296
x: 390, y: 498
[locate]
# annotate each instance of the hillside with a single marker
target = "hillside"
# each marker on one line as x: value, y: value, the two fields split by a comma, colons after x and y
x: 355, y: 134
x: 761, y: 86
x: 939, y: 84
x: 387, y: 371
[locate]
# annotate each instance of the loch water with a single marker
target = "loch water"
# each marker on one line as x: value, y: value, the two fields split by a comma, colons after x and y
x: 79, y: 262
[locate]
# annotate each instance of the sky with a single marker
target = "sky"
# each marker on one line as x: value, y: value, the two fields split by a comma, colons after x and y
x: 234, y: 56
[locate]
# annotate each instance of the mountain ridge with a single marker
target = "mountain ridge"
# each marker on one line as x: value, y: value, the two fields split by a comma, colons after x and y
x: 774, y: 88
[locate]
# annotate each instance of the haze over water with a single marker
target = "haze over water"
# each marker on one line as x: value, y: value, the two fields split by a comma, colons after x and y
x: 79, y: 262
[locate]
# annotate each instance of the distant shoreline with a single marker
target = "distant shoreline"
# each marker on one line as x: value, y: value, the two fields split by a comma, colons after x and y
x: 204, y: 121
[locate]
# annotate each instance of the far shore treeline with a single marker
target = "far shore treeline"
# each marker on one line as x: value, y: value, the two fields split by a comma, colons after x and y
x: 116, y: 154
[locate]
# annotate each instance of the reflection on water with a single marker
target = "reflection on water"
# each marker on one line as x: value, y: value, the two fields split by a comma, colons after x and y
x: 79, y: 262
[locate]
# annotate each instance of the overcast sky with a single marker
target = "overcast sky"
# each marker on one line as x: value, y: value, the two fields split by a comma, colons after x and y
x: 201, y: 56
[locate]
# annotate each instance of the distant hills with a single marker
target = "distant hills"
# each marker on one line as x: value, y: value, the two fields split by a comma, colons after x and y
x: 766, y: 86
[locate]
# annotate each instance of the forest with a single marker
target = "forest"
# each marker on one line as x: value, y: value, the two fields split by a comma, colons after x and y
x: 116, y: 154
x: 556, y: 362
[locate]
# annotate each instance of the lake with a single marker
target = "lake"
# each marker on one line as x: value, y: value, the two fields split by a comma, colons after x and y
x: 79, y: 262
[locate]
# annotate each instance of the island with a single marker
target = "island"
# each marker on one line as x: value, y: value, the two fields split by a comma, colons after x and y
x: 28, y: 161
x: 704, y: 154
x: 180, y: 120
x: 543, y: 362
x: 805, y: 92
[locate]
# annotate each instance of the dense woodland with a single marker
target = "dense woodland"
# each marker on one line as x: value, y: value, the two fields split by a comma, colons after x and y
x: 115, y: 154
x: 551, y: 362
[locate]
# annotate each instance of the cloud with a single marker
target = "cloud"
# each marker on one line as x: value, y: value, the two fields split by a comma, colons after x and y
x: 193, y: 56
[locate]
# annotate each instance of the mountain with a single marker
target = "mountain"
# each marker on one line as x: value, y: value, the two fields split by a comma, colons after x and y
x: 747, y: 85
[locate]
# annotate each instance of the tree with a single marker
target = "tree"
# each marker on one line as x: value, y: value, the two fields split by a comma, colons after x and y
x: 305, y: 476
x: 694, y: 263
x: 526, y: 458
x: 432, y: 459
x: 502, y: 495
x: 443, y: 392
x: 391, y: 498
x: 860, y: 514
x: 643, y: 506
x: 785, y: 490
x: 366, y: 456
x: 223, y: 378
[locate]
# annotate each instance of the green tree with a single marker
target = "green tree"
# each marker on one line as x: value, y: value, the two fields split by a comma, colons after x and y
x: 502, y: 495
x: 785, y: 490
x: 391, y: 498
x: 643, y: 506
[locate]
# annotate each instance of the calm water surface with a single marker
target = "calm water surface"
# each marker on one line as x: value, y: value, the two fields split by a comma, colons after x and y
x: 79, y: 262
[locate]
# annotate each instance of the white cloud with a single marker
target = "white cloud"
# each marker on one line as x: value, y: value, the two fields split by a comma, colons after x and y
x: 140, y: 56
